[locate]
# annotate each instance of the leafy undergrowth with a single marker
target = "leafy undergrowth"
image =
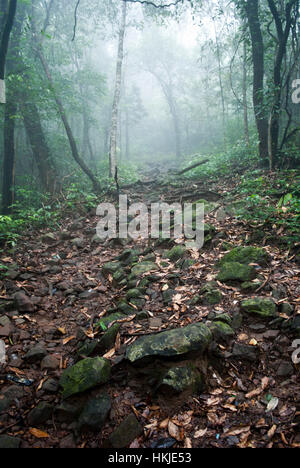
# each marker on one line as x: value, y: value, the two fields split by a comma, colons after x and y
x: 244, y: 404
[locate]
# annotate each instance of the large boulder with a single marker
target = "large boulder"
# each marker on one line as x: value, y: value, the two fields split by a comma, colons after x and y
x: 84, y: 375
x: 195, y: 337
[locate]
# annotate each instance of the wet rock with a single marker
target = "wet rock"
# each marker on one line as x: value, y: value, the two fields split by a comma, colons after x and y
x: 195, y: 337
x: 94, y: 413
x: 245, y: 352
x: 84, y: 375
x: 8, y: 442
x: 23, y: 303
x: 40, y: 414
x: 179, y: 379
x: 261, y: 306
x: 35, y: 354
x: 246, y: 255
x: 128, y: 430
x: 234, y: 271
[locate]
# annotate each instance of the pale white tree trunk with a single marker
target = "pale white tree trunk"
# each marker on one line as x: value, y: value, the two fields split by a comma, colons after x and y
x: 115, y: 107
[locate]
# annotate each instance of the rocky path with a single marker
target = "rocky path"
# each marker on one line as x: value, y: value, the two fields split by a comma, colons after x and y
x: 148, y: 344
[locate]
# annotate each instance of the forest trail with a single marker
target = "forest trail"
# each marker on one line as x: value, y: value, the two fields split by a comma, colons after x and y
x: 228, y: 381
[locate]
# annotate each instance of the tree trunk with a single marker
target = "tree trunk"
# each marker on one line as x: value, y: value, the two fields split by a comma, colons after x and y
x: 115, y: 107
x: 252, y: 13
x: 12, y: 7
x: 9, y: 155
x: 245, y: 104
x: 39, y: 146
x: 73, y: 146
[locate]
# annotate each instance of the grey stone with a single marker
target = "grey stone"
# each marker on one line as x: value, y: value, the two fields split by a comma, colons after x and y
x: 128, y: 430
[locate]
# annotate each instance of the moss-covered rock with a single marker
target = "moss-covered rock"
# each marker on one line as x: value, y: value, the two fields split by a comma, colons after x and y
x: 212, y: 297
x: 110, y: 268
x: 84, y: 375
x: 222, y: 331
x: 246, y: 255
x: 250, y: 286
x: 129, y: 256
x: 262, y: 306
x: 233, y: 271
x: 223, y: 318
x: 134, y: 293
x: 177, y: 252
x: 119, y: 278
x: 107, y: 320
x: 144, y: 267
x: 179, y: 379
x: 101, y: 345
x: 195, y: 337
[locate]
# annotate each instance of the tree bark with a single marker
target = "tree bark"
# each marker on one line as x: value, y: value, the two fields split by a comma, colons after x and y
x: 39, y: 146
x: 252, y: 13
x: 245, y: 104
x: 9, y: 155
x: 12, y: 8
x: 117, y: 94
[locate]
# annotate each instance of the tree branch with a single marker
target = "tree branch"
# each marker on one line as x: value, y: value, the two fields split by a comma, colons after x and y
x: 147, y: 2
x: 75, y: 19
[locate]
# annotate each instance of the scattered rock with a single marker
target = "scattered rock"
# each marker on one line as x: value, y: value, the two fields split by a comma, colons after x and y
x: 246, y: 255
x: 245, y: 352
x: 2, y: 352
x: 49, y: 238
x: 94, y: 413
x: 195, y: 337
x: 222, y: 331
x: 50, y: 386
x: 8, y: 442
x: 23, y: 303
x: 285, y: 369
x: 84, y: 375
x: 143, y: 267
x: 179, y: 379
x: 49, y: 363
x: 128, y: 430
x: 67, y: 442
x: 261, y: 306
x: 40, y: 414
x: 234, y: 271
x: 35, y: 354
